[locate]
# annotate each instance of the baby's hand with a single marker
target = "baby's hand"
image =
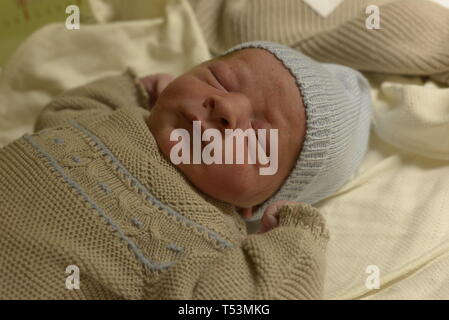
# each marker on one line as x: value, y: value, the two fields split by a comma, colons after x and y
x: 155, y: 84
x: 270, y: 218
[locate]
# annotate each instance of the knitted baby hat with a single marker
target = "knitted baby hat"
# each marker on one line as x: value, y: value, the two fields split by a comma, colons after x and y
x: 338, y: 108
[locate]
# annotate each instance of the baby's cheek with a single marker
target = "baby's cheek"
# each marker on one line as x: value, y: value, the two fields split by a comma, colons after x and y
x: 229, y: 183
x: 237, y: 182
x: 163, y: 140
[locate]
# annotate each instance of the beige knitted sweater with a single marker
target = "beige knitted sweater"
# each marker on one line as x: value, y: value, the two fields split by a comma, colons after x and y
x: 412, y: 39
x: 95, y: 192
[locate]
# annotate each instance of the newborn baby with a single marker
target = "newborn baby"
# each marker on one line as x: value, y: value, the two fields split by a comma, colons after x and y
x: 232, y: 92
x: 95, y: 190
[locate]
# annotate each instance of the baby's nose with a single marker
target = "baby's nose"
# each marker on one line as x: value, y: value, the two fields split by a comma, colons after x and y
x: 228, y: 112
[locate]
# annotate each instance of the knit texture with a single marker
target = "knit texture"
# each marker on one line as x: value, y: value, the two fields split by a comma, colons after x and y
x: 338, y: 109
x: 412, y: 39
x: 92, y: 189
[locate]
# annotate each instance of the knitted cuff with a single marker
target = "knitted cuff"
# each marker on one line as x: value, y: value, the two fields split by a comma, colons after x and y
x: 305, y: 216
x: 143, y: 98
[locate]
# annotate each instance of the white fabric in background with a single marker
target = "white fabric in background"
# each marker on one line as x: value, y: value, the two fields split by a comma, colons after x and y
x: 323, y: 7
x: 54, y: 59
x: 444, y: 3
x: 395, y: 213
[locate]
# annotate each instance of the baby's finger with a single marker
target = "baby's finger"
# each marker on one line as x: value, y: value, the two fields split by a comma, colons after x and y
x: 267, y: 223
x: 270, y: 218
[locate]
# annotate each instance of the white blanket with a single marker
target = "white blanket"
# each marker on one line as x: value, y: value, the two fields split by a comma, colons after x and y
x: 394, y: 214
x: 54, y: 59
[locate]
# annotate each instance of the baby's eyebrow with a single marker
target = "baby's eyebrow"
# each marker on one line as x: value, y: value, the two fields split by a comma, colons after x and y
x: 238, y: 73
x: 228, y: 71
x: 217, y: 79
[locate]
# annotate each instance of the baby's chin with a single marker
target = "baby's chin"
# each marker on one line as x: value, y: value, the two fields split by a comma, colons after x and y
x: 223, y: 185
x: 236, y: 185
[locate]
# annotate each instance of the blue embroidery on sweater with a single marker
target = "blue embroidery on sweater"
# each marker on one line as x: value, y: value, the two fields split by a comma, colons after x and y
x: 175, y: 247
x: 105, y: 187
x: 76, y: 159
x: 58, y: 141
x: 137, y: 222
x: 152, y: 266
x: 150, y: 198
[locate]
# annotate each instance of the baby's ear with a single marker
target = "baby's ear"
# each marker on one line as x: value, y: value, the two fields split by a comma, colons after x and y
x: 155, y: 84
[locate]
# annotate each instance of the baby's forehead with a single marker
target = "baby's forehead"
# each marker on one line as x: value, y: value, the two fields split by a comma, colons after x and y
x: 249, y: 56
x: 265, y: 80
x: 260, y: 63
x: 265, y: 68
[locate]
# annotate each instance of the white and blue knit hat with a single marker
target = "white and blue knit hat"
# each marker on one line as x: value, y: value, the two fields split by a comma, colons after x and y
x: 338, y: 107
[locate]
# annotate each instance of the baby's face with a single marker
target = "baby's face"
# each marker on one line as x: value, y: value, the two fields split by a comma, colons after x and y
x: 249, y: 88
